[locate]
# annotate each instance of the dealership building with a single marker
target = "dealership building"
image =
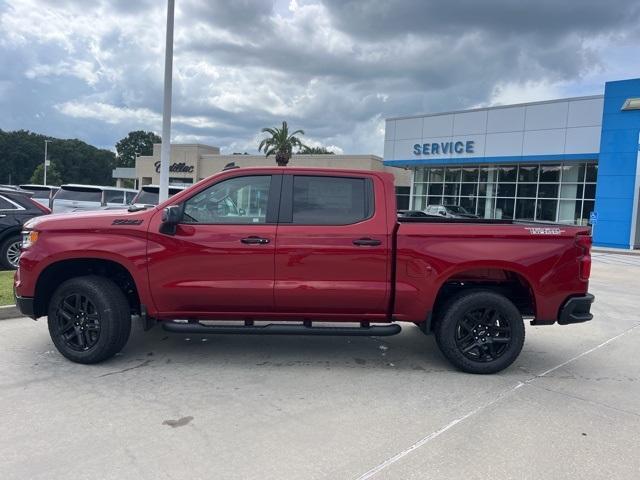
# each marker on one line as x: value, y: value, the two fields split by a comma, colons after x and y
x: 190, y: 163
x: 572, y: 160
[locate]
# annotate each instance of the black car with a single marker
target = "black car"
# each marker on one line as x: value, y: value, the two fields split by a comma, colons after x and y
x: 16, y: 207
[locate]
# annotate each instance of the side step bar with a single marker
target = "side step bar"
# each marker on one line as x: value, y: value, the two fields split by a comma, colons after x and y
x: 283, y: 329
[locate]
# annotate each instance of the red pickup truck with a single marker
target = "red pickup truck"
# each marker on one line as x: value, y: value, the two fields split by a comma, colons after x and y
x: 288, y: 250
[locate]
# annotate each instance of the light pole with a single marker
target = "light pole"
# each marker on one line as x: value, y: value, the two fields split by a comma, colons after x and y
x: 165, y: 151
x: 46, y: 162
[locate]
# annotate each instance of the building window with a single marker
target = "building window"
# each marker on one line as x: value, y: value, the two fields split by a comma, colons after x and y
x: 402, y: 197
x: 545, y: 192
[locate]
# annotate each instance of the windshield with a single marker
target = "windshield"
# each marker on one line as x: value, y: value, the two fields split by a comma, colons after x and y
x: 80, y: 195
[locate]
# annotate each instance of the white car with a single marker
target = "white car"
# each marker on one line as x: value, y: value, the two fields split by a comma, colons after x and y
x: 43, y: 194
x: 74, y: 197
x: 449, y: 211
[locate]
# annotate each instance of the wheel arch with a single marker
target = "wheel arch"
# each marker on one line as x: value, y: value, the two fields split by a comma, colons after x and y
x: 504, y: 278
x: 59, y: 271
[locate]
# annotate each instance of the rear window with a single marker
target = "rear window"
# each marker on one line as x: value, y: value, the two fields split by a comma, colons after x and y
x: 38, y: 192
x: 151, y: 196
x: 114, y: 196
x: 331, y: 200
x: 79, y: 194
x: 147, y: 197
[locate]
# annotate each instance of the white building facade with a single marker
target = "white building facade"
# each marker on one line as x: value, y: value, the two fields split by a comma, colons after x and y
x: 570, y: 160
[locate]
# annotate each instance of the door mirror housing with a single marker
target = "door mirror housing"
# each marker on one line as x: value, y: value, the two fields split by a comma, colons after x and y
x: 171, y: 217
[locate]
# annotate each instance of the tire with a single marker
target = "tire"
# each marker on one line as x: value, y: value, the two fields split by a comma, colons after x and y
x: 480, y: 332
x: 89, y: 319
x: 10, y: 252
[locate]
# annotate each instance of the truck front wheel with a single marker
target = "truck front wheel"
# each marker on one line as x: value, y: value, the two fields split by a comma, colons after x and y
x: 89, y: 319
x: 480, y: 332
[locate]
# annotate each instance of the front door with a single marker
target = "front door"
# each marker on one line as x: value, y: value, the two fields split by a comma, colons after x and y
x: 333, y: 249
x: 220, y: 258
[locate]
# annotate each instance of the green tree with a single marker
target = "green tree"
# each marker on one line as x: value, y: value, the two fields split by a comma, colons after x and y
x: 281, y: 143
x: 74, y: 161
x: 20, y: 152
x: 53, y: 175
x: 139, y: 142
x: 315, y: 151
x: 79, y: 162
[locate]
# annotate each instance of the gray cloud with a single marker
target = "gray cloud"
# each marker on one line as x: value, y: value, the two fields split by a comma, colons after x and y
x: 94, y: 69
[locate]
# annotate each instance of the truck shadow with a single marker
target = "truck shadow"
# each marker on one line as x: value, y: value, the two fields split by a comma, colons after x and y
x: 410, y: 350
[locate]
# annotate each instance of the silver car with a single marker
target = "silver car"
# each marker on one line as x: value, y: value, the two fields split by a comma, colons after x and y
x: 74, y: 198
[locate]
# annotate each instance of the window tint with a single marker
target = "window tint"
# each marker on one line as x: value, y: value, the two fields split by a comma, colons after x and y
x: 114, y: 196
x: 237, y: 200
x: 6, y: 204
x: 330, y: 200
x: 130, y: 196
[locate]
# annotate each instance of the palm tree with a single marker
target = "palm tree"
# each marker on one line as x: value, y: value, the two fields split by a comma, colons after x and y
x: 280, y: 143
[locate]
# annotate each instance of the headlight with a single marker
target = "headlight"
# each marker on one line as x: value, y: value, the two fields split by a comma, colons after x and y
x: 29, y: 238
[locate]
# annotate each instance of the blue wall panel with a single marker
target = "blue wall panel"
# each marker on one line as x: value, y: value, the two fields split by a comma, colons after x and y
x: 617, y: 165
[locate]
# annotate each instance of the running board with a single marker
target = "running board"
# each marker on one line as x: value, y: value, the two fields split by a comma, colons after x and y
x: 282, y: 329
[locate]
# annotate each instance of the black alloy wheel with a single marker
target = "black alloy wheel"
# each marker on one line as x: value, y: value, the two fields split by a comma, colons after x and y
x: 78, y: 322
x: 89, y: 319
x: 480, y: 331
x: 483, y: 335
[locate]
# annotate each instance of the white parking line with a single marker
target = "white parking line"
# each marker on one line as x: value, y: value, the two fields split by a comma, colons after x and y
x: 377, y: 469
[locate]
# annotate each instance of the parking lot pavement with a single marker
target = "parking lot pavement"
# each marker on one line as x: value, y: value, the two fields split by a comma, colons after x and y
x: 174, y: 406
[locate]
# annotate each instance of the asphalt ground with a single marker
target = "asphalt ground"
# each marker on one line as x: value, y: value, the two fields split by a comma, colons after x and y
x: 251, y: 407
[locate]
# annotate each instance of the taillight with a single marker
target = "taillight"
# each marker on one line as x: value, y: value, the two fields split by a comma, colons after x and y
x: 583, y: 242
x: 41, y: 207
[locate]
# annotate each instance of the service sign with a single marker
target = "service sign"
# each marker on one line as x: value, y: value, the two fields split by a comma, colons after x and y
x: 444, y: 148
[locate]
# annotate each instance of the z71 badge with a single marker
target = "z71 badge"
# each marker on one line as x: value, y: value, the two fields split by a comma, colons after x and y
x: 126, y: 221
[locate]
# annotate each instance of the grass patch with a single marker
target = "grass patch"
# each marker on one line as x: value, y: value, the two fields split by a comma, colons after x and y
x: 6, y: 288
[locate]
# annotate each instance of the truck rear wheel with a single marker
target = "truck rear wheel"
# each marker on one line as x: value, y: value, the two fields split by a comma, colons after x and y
x: 89, y: 319
x: 480, y: 332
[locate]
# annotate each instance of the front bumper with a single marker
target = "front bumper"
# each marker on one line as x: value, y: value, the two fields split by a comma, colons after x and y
x: 25, y: 305
x: 576, y: 310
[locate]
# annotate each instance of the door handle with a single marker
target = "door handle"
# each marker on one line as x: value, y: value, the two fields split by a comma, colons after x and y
x: 255, y: 240
x: 367, y: 242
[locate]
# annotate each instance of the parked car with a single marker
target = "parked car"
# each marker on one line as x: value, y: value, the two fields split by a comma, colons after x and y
x: 43, y: 194
x: 303, y: 245
x: 414, y: 214
x: 149, y: 194
x: 74, y: 197
x: 449, y: 211
x: 16, y: 207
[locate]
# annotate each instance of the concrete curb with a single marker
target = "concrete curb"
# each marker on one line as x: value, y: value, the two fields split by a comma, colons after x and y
x: 620, y: 251
x: 9, y: 311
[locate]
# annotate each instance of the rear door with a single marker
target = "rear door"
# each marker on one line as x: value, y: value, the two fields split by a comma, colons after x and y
x: 333, y: 250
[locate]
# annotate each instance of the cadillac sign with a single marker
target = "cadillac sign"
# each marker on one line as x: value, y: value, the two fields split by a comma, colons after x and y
x: 176, y: 168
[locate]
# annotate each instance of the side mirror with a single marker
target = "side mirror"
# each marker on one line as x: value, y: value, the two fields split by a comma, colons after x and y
x: 171, y: 217
x: 444, y: 214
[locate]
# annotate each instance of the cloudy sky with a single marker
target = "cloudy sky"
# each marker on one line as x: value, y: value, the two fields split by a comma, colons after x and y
x: 93, y: 69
